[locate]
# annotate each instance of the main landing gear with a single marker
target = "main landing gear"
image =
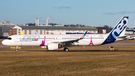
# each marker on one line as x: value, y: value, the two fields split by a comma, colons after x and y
x: 66, y: 49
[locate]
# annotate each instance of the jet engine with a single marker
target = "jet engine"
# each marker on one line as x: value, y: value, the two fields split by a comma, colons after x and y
x: 53, y: 46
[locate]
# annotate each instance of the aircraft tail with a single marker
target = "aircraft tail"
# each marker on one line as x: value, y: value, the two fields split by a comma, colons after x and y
x: 35, y: 32
x: 22, y: 33
x: 118, y: 30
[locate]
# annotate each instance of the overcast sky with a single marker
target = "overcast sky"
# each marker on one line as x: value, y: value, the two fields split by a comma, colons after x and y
x: 86, y: 12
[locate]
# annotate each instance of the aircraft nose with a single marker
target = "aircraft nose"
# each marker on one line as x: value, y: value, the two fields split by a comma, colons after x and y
x: 5, y: 42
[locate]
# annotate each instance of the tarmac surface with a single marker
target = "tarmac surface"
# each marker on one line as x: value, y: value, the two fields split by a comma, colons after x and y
x: 125, y: 43
x: 70, y: 51
x: 3, y: 46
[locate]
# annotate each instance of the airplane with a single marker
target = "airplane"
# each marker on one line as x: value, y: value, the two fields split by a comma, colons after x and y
x: 22, y: 33
x: 35, y: 32
x: 54, y: 42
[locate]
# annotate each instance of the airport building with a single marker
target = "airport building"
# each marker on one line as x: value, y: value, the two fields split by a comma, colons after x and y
x: 8, y: 29
x: 4, y: 28
x: 29, y: 30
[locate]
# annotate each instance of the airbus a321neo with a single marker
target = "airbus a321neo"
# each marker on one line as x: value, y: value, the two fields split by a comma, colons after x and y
x: 54, y: 42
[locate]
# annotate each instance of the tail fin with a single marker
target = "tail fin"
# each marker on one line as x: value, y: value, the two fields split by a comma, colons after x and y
x: 22, y: 33
x: 118, y: 30
x: 35, y: 32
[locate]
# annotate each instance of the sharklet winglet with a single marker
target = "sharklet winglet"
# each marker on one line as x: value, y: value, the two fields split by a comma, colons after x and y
x: 84, y: 35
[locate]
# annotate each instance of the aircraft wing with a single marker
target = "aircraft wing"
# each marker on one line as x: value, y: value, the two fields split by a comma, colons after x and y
x: 73, y: 40
x: 129, y: 37
x: 122, y: 37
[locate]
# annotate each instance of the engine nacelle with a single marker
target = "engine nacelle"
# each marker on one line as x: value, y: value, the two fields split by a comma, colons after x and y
x: 53, y: 46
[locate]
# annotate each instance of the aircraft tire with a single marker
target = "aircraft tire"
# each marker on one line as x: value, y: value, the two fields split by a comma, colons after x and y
x: 66, y: 49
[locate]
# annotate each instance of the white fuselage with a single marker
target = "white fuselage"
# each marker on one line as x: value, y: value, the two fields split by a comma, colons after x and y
x: 36, y: 40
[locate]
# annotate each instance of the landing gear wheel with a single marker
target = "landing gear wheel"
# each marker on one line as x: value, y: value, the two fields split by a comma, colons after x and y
x: 16, y: 49
x: 66, y: 49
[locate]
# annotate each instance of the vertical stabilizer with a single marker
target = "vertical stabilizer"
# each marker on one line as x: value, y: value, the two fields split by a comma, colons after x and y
x: 35, y: 32
x: 118, y: 30
x: 22, y: 33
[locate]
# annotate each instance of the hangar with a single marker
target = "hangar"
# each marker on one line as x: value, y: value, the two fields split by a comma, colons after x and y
x: 28, y: 30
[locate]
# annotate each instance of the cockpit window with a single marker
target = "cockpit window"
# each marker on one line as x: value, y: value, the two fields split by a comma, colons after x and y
x: 9, y: 38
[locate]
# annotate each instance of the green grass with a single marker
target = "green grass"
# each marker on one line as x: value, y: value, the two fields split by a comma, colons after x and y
x: 67, y: 64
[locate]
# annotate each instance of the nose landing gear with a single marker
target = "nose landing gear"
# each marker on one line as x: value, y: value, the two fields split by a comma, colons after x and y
x: 16, y: 49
